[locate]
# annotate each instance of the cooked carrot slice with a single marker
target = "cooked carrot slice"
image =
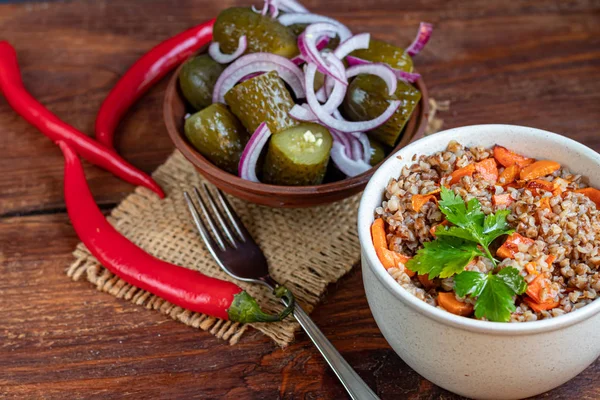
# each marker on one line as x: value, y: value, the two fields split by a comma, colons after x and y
x: 592, y: 193
x: 506, y: 158
x: 530, y: 268
x: 391, y: 259
x: 467, y: 170
x: 449, y: 303
x: 511, y: 245
x: 487, y: 169
x: 378, y: 233
x: 550, y: 259
x: 537, y: 307
x: 426, y: 282
x: 435, y: 191
x: 534, y: 288
x: 560, y: 185
x: 503, y: 199
x: 545, y: 204
x: 539, y: 169
x: 419, y: 200
x: 509, y: 174
x: 539, y: 184
x: 434, y: 227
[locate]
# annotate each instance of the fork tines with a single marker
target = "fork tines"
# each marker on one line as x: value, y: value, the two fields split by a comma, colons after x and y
x: 220, y: 214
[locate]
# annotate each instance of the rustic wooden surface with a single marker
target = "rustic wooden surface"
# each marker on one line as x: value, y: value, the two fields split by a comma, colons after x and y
x: 521, y: 62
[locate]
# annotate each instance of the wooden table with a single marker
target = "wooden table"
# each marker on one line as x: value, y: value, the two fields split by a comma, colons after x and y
x: 519, y: 62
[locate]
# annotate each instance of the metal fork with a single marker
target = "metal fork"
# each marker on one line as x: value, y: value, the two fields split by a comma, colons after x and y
x: 238, y: 255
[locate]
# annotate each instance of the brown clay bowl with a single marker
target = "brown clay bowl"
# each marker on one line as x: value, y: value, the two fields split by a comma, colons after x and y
x: 174, y: 109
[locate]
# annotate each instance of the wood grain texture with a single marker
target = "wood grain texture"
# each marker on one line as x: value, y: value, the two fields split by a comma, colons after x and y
x: 522, y: 62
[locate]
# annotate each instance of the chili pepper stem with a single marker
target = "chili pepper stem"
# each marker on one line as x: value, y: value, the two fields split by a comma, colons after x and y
x: 245, y: 309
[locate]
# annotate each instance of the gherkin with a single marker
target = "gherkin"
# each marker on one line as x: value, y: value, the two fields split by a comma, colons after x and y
x: 263, y: 98
x: 298, y: 156
x: 218, y: 135
x: 377, y: 152
x: 380, y: 51
x: 367, y: 98
x: 197, y: 80
x: 263, y: 33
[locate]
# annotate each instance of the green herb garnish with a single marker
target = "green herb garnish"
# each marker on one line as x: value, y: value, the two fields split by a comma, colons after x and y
x: 456, y: 246
x: 494, y: 292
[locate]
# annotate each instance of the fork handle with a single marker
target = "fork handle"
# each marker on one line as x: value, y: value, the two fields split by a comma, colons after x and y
x: 356, y: 387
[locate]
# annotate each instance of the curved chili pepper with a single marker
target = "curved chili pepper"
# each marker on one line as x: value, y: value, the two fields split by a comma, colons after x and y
x: 180, y: 286
x: 146, y: 71
x: 50, y: 125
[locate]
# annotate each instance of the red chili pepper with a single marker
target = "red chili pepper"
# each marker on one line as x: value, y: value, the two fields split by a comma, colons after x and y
x: 180, y: 286
x: 146, y: 71
x: 50, y: 125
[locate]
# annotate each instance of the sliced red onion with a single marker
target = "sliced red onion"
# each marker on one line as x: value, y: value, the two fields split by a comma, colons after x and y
x: 259, y: 62
x: 250, y: 76
x: 303, y: 18
x: 251, y: 153
x: 335, y: 97
x: 264, y: 10
x: 330, y: 121
x: 402, y: 75
x: 302, y: 113
x: 356, y: 42
x: 378, y: 69
x: 345, y: 164
x: 321, y: 94
x: 290, y: 6
x: 321, y: 44
x: 343, y: 140
x: 307, y: 46
x: 215, y: 51
x: 273, y: 8
x: 423, y: 36
x: 366, y: 146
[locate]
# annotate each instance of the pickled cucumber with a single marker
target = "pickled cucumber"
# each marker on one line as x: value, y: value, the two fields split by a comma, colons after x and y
x: 367, y: 98
x: 377, y: 152
x: 264, y: 34
x: 263, y: 98
x: 197, y: 80
x: 218, y: 135
x: 298, y: 156
x: 379, y: 51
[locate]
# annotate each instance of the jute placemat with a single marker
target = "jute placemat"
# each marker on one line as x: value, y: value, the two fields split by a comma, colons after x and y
x: 307, y: 249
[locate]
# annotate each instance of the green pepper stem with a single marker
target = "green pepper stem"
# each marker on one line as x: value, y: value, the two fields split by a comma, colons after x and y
x: 245, y: 309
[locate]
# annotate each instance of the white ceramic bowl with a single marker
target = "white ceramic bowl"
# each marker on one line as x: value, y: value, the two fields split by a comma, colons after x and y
x: 480, y: 359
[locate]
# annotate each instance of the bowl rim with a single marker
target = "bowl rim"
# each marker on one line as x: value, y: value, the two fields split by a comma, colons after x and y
x: 207, y: 167
x: 365, y: 218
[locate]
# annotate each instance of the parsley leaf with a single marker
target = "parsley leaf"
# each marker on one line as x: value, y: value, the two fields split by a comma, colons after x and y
x: 494, y: 292
x: 471, y: 223
x: 444, y: 257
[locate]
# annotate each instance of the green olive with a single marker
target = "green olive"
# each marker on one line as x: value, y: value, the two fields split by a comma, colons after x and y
x: 367, y: 97
x: 218, y: 135
x: 379, y: 51
x: 197, y: 80
x: 263, y: 98
x: 263, y: 33
x: 298, y: 156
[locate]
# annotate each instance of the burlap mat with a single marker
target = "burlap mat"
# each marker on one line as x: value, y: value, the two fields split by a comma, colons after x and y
x: 307, y: 249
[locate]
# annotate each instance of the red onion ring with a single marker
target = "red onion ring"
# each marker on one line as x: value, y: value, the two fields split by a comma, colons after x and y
x: 423, y: 36
x: 321, y: 44
x: 303, y: 18
x: 330, y: 121
x: 366, y: 145
x: 378, y: 69
x: 290, y: 6
x: 307, y: 46
x: 302, y: 113
x: 251, y: 153
x: 410, y: 77
x: 356, y: 42
x: 345, y: 164
x: 259, y: 62
x: 214, y: 50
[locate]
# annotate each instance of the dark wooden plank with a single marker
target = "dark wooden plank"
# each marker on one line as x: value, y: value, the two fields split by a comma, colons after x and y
x: 529, y: 63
